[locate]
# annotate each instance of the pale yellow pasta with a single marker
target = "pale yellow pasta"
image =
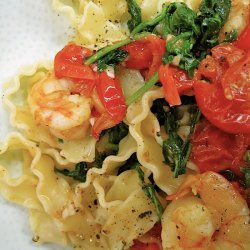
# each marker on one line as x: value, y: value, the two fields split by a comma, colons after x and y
x: 21, y: 188
x: 60, y: 204
x: 110, y: 208
x: 47, y: 231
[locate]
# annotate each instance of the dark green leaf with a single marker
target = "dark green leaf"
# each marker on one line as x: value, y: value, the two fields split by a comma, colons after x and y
x: 179, y: 18
x: 111, y: 59
x: 246, y: 170
x: 151, y: 193
x: 117, y: 133
x: 159, y: 108
x: 213, y: 16
x: 99, y: 158
x: 79, y: 173
x: 193, y: 35
x: 135, y: 13
x: 176, y: 151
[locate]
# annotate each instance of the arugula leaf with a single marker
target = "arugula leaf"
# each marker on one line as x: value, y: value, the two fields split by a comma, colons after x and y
x: 246, y: 170
x: 81, y: 168
x: 99, y: 158
x: 160, y: 108
x: 176, y: 151
x: 133, y: 164
x: 179, y: 19
x: 135, y: 13
x: 213, y: 16
x: 79, y: 173
x: 117, y: 133
x: 193, y: 34
x: 111, y: 59
x: 150, y: 192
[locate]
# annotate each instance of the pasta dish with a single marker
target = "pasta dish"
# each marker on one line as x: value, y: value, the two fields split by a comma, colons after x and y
x: 137, y: 135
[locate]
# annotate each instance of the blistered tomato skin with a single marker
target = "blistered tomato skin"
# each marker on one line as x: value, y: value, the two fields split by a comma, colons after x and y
x: 69, y: 63
x: 225, y: 99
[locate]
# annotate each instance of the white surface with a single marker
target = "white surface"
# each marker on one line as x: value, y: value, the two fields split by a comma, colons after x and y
x: 30, y: 31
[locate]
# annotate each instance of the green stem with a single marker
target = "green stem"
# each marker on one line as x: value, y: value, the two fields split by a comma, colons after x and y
x: 102, y: 52
x: 152, y: 81
x: 152, y: 22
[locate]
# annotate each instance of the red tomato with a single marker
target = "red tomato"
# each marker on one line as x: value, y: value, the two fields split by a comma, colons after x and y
x: 102, y: 122
x: 227, y: 54
x: 69, y: 63
x: 109, y: 104
x: 158, y: 48
x: 140, y: 56
x: 111, y: 96
x: 169, y: 87
x: 215, y: 150
x: 175, y: 82
x: 231, y: 114
x: 210, y: 69
x: 243, y: 40
x: 236, y: 80
x: 182, y: 81
x: 146, y: 53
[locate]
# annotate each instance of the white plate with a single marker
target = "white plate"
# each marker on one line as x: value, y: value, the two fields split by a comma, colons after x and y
x: 30, y: 31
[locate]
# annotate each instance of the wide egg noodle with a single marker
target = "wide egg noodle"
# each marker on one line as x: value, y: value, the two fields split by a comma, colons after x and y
x: 145, y: 129
x: 124, y: 196
x: 19, y: 189
x: 99, y: 23
x: 15, y: 99
x: 45, y: 229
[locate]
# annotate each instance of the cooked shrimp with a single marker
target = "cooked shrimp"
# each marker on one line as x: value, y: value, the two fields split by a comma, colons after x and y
x: 206, y: 213
x: 238, y: 18
x: 53, y: 105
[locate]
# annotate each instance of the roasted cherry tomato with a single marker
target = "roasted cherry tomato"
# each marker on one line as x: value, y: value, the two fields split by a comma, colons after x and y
x: 158, y: 48
x: 215, y: 150
x: 225, y: 100
x: 111, y: 96
x: 227, y: 54
x: 169, y: 87
x: 146, y: 53
x: 236, y: 80
x: 111, y: 109
x: 69, y: 63
x: 175, y: 82
x: 140, y: 55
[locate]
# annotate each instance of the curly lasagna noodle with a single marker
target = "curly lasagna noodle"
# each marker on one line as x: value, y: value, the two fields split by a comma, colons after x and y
x: 137, y: 135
